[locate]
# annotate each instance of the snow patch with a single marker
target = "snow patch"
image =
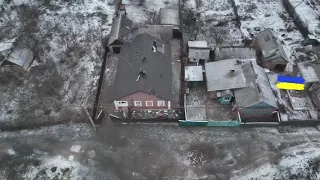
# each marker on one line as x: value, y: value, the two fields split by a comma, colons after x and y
x: 75, y: 148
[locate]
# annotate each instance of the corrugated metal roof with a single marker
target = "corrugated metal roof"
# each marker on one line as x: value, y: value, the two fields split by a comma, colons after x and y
x: 270, y: 45
x: 121, y: 27
x: 197, y: 44
x: 157, y: 67
x: 258, y: 88
x: 20, y: 56
x: 193, y: 73
x: 169, y: 16
x: 219, y: 75
x: 310, y: 72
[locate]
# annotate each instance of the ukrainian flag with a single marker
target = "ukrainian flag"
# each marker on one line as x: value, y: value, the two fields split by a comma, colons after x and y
x: 290, y: 83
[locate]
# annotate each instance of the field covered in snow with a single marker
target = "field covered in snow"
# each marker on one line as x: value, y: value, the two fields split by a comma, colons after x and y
x: 67, y: 40
x: 258, y: 15
x: 212, y: 20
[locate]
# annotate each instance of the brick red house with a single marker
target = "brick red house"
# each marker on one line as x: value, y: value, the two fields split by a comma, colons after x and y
x: 144, y: 75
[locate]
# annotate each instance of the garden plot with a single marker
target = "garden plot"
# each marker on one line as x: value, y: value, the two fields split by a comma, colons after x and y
x: 147, y: 11
x: 258, y: 15
x: 213, y: 21
x: 66, y: 38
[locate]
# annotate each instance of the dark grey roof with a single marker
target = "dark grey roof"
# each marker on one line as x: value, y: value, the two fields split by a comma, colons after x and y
x: 270, y: 45
x: 121, y: 27
x: 157, y: 67
x: 258, y: 88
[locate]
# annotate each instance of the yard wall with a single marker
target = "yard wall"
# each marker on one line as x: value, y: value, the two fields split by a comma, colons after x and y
x: 229, y: 52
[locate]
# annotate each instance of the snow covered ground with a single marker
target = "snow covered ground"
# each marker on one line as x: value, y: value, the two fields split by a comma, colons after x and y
x: 67, y: 40
x: 143, y: 152
x: 215, y: 22
x: 258, y: 15
x: 137, y: 9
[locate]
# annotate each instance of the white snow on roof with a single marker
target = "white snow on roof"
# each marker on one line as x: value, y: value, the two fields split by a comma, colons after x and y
x: 193, y: 73
x: 197, y: 44
x: 308, y: 14
x: 219, y: 75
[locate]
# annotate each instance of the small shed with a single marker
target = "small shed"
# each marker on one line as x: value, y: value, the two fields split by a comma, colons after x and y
x: 198, y: 51
x: 170, y: 16
x: 270, y: 52
x: 121, y: 28
x: 225, y: 96
x: 193, y: 75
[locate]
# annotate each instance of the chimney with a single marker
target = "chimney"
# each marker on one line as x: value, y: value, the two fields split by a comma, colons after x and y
x: 232, y: 73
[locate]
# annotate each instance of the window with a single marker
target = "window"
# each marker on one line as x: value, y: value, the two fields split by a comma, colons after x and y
x: 149, y: 103
x: 122, y: 103
x: 161, y: 103
x: 267, y: 38
x: 137, y: 103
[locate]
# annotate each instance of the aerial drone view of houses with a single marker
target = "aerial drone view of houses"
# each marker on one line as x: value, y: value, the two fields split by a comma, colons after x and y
x: 159, y: 71
x: 191, y: 64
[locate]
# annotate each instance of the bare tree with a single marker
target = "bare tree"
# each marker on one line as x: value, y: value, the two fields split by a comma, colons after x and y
x: 151, y: 15
x: 219, y: 34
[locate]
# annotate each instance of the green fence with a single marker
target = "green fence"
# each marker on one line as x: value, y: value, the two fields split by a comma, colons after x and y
x: 210, y: 123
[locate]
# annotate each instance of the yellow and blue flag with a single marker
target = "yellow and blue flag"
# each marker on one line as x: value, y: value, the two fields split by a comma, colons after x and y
x: 290, y: 83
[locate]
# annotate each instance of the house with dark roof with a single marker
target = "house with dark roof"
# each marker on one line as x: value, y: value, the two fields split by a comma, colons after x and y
x: 144, y: 75
x: 270, y: 52
x: 121, y: 29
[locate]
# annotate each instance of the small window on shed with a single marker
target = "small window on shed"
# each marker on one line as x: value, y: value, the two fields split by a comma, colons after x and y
x: 267, y: 38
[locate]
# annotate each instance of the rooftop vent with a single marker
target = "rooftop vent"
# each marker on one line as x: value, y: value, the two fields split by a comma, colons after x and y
x: 232, y: 73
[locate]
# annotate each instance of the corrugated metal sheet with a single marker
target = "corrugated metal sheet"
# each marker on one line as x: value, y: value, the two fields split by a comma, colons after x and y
x: 169, y: 16
x: 234, y: 52
x: 21, y: 57
x: 219, y: 77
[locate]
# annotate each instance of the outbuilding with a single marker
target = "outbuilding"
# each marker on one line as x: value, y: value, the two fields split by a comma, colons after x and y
x: 199, y: 52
